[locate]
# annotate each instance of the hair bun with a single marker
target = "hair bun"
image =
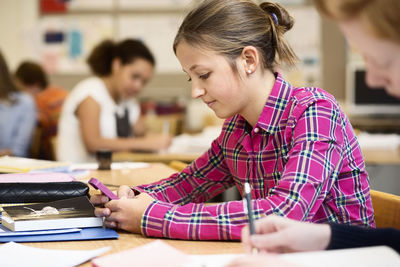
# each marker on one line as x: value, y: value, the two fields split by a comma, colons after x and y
x: 285, y: 21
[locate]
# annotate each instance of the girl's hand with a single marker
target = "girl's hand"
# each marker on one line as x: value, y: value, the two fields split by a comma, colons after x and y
x: 156, y: 142
x: 100, y: 200
x: 126, y: 213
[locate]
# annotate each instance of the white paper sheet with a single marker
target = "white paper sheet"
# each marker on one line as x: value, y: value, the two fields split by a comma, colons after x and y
x: 114, y: 166
x: 16, y: 255
x: 365, y: 257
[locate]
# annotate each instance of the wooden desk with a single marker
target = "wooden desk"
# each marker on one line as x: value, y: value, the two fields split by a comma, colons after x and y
x: 154, y: 172
x: 128, y: 240
x: 154, y: 157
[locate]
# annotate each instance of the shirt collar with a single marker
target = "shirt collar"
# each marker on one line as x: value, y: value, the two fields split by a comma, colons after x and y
x: 275, y: 106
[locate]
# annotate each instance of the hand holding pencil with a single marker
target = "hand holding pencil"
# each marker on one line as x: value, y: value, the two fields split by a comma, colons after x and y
x: 279, y: 235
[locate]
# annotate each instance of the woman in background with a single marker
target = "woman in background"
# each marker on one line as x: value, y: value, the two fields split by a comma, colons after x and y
x: 17, y: 116
x: 31, y: 77
x: 372, y: 27
x: 101, y: 112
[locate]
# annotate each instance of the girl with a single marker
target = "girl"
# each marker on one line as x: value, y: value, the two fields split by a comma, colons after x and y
x: 100, y: 112
x: 49, y: 100
x: 17, y: 116
x: 293, y: 145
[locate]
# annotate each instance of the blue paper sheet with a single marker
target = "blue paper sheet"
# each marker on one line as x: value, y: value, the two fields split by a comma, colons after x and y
x: 84, y: 234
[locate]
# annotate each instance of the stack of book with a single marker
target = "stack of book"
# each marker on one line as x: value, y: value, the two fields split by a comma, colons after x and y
x: 67, y: 219
x: 64, y: 211
x: 67, y: 213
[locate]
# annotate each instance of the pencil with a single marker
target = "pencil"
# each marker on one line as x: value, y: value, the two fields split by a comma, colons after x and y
x: 249, y: 210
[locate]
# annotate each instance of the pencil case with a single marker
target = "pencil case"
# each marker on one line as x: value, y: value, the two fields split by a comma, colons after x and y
x: 41, y: 192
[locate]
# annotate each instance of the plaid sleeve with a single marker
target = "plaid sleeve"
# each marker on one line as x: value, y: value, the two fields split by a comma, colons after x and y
x: 194, y: 221
x: 203, y: 179
x: 313, y: 163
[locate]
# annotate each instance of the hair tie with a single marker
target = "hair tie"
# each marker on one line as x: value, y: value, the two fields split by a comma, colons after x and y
x: 274, y: 18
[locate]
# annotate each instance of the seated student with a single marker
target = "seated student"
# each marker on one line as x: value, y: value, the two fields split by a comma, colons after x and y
x: 101, y: 113
x: 294, y: 146
x: 17, y: 116
x: 49, y: 100
x: 373, y: 28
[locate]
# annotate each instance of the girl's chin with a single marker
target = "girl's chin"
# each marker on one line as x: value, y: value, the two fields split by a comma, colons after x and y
x: 222, y: 115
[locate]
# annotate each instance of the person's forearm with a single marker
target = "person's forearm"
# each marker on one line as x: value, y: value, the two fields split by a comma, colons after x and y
x: 348, y: 236
x: 6, y: 152
x: 117, y: 144
x: 223, y: 221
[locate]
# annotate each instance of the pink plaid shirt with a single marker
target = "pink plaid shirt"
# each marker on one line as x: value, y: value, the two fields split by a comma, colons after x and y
x: 302, y: 160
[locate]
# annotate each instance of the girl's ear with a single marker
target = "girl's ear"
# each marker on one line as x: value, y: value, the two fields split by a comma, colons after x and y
x: 250, y: 58
x: 115, y: 65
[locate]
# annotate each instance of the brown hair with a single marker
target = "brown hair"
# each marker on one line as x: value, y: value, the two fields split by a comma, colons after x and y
x: 7, y: 85
x: 100, y: 59
x: 227, y: 26
x: 31, y: 73
x: 380, y: 17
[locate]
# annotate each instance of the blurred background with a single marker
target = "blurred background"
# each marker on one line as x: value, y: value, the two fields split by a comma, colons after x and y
x: 60, y: 34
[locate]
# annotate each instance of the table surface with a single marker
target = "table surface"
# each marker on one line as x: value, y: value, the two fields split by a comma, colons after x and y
x: 138, y: 176
x: 163, y: 157
x: 371, y: 156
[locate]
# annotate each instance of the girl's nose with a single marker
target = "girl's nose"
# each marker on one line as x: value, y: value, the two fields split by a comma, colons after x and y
x: 197, y: 91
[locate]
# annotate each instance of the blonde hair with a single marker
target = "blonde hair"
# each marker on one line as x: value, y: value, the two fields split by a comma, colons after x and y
x: 227, y: 26
x: 380, y: 17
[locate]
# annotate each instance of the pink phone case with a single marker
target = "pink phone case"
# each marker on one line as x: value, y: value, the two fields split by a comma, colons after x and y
x: 100, y: 186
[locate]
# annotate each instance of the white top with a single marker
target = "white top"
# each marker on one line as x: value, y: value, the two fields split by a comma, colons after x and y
x: 70, y: 145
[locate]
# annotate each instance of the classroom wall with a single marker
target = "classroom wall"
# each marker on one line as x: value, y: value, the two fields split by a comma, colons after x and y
x: 24, y: 15
x: 15, y: 17
x: 333, y: 59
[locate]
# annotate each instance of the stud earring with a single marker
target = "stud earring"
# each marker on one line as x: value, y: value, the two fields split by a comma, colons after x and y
x: 249, y: 71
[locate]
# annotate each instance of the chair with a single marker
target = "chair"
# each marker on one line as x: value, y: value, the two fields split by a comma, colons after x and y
x: 34, y: 150
x: 53, y: 144
x: 386, y: 208
x: 177, y: 165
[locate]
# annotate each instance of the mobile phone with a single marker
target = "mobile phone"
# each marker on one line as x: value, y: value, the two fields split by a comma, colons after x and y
x: 100, y: 186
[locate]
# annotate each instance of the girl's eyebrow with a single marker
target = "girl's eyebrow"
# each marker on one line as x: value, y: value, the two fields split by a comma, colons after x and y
x: 193, y: 67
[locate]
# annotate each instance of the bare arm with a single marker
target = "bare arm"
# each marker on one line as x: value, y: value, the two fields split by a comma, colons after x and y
x: 6, y: 152
x: 139, y: 129
x: 88, y: 114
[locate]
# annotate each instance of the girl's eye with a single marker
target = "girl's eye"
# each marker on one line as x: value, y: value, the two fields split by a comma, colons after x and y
x: 205, y: 76
x: 135, y: 76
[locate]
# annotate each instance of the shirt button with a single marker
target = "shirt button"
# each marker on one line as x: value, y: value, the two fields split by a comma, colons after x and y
x: 256, y: 130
